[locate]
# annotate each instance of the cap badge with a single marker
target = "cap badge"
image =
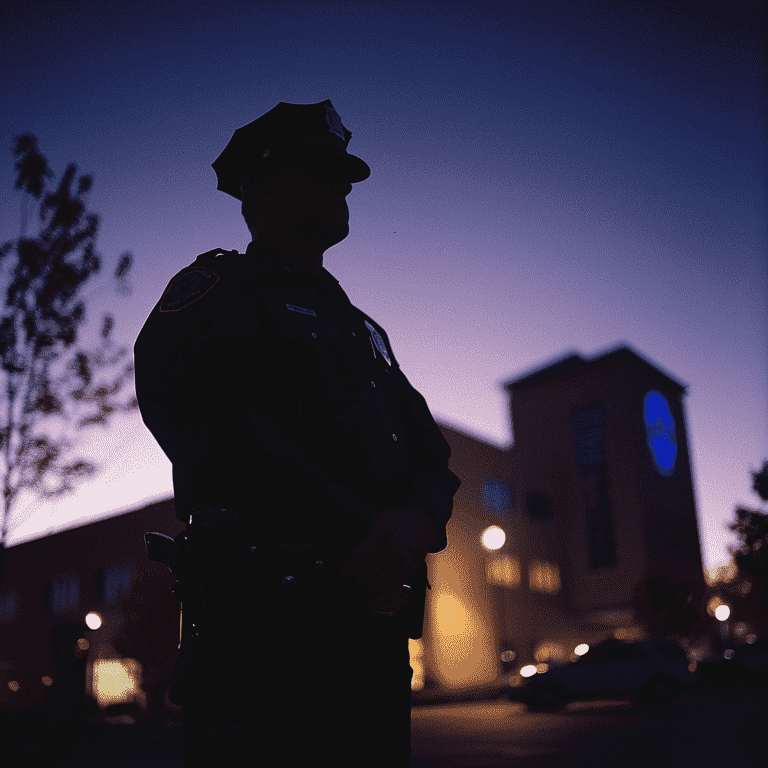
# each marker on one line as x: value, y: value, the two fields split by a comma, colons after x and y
x: 379, y: 342
x: 334, y: 122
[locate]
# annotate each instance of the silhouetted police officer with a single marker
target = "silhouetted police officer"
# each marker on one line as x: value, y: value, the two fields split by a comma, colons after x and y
x: 312, y: 476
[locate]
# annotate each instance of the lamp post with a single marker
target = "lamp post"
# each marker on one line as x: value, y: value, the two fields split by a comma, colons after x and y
x: 492, y: 539
x: 722, y: 612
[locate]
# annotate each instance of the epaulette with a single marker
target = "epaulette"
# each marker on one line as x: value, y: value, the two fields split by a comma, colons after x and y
x: 214, y: 253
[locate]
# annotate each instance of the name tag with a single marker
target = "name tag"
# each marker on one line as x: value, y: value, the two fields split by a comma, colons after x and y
x: 303, y: 311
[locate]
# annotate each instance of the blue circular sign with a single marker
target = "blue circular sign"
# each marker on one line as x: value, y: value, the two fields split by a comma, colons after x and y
x: 660, y: 432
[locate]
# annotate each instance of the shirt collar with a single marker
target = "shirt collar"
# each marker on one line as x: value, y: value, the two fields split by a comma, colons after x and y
x: 273, y: 261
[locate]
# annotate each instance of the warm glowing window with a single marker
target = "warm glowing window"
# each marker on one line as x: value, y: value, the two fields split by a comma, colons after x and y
x: 544, y: 577
x: 116, y: 681
x: 549, y: 651
x: 503, y: 570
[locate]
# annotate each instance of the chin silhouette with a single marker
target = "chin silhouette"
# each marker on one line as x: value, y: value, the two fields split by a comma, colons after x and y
x: 326, y: 235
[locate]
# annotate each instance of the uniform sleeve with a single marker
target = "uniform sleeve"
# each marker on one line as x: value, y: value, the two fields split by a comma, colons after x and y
x: 434, y: 485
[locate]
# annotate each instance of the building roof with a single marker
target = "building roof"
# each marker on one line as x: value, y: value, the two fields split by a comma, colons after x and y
x: 575, y: 361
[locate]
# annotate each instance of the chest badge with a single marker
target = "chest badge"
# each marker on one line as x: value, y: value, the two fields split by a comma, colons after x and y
x: 378, y: 342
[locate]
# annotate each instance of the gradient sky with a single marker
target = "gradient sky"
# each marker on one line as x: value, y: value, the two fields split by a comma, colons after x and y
x: 546, y: 178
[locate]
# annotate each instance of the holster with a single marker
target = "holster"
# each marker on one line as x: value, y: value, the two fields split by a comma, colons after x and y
x: 219, y: 569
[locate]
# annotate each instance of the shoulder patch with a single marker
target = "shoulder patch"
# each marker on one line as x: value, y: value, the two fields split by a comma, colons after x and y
x: 215, y: 253
x: 186, y: 288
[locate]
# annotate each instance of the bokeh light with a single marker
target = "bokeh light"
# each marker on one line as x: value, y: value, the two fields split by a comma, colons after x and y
x: 493, y: 537
x: 722, y: 612
x: 93, y: 620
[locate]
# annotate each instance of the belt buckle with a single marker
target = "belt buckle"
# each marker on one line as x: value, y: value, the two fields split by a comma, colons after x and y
x: 297, y: 562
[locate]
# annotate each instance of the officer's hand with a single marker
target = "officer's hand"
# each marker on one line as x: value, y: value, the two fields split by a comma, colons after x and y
x: 390, y: 556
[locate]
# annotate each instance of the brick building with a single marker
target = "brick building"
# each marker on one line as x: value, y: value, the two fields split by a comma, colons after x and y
x: 548, y: 540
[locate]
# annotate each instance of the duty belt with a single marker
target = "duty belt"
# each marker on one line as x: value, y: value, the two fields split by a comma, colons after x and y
x: 274, y: 564
x: 218, y: 542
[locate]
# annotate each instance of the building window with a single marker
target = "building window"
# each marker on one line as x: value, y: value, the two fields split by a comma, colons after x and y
x: 116, y: 681
x: 537, y: 505
x: 8, y: 606
x: 503, y: 570
x: 64, y: 593
x: 544, y: 577
x: 116, y: 582
x: 549, y: 651
x: 589, y: 447
x: 498, y: 494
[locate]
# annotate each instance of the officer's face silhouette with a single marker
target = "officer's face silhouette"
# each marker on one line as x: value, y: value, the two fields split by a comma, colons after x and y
x: 299, y: 202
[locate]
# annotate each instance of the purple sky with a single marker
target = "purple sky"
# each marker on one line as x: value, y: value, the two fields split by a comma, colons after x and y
x: 546, y: 178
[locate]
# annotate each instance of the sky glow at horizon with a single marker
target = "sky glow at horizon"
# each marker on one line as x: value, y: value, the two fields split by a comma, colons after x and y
x: 546, y: 178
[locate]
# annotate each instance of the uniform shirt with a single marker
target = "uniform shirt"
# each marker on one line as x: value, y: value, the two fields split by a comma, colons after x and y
x: 270, y: 392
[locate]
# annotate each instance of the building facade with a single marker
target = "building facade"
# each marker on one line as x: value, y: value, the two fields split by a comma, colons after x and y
x: 547, y: 543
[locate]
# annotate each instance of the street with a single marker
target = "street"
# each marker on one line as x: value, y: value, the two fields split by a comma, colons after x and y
x: 705, y: 729
x: 700, y: 730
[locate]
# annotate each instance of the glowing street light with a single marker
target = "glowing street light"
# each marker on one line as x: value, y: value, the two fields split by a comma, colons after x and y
x: 493, y: 537
x: 722, y: 612
x: 93, y: 620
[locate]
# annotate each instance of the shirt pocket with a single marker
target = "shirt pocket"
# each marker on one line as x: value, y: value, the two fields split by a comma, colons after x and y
x: 315, y: 359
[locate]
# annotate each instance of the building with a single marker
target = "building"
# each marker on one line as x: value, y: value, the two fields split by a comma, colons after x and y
x: 52, y: 583
x: 594, y: 496
x: 548, y: 541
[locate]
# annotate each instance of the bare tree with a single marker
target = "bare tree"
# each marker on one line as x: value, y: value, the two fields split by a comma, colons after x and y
x: 39, y: 329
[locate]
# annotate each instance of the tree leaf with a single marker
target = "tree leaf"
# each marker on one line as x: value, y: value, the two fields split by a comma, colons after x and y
x: 78, y: 468
x: 107, y: 326
x: 32, y: 167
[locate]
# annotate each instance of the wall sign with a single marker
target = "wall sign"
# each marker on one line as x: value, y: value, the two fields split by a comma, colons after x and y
x: 660, y: 432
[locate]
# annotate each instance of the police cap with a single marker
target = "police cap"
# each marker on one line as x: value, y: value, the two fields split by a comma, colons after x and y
x: 310, y: 135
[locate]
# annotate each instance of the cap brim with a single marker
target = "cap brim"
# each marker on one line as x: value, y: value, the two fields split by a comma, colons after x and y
x: 229, y: 165
x: 355, y: 168
x: 358, y: 169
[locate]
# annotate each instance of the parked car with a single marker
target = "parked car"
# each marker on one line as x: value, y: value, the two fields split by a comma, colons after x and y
x: 746, y: 665
x: 650, y: 672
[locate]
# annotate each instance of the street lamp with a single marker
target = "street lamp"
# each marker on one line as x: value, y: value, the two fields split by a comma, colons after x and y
x: 93, y: 620
x: 493, y: 537
x: 722, y: 612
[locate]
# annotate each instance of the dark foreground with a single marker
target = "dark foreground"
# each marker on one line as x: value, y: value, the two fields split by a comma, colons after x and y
x: 707, y: 728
